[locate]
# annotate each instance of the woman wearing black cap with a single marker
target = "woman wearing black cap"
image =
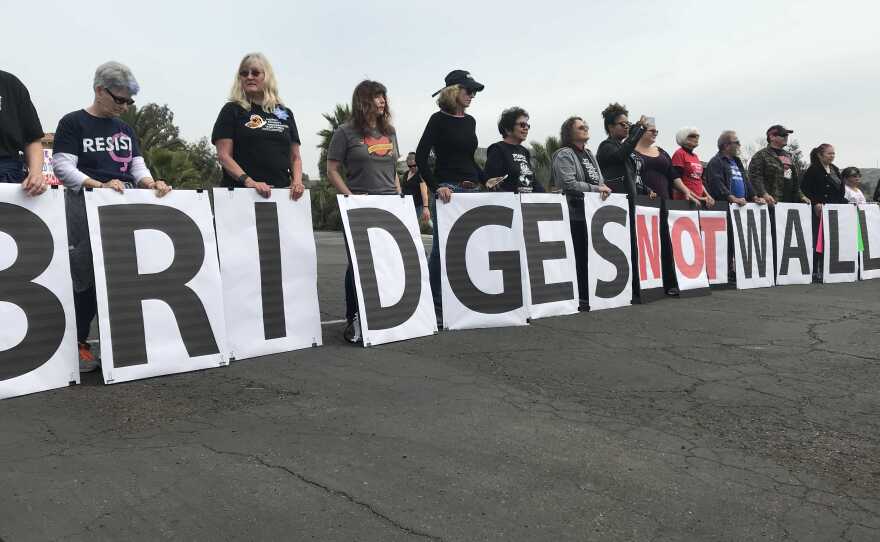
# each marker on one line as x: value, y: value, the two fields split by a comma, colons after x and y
x: 451, y: 134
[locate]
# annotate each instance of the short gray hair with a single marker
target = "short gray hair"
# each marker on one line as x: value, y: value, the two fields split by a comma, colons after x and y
x: 115, y: 75
x: 725, y: 138
x: 682, y: 135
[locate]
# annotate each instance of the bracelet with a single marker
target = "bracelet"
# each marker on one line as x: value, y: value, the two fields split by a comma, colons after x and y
x: 243, y: 177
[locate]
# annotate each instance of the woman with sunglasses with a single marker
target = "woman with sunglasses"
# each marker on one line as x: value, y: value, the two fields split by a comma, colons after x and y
x: 654, y: 166
x: 508, y: 159
x: 255, y: 134
x: 852, y: 180
x: 575, y: 170
x: 94, y: 149
x: 615, y: 154
x: 452, y: 135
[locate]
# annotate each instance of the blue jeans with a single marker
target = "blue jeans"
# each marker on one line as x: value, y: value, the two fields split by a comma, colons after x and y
x: 11, y: 170
x: 434, y: 260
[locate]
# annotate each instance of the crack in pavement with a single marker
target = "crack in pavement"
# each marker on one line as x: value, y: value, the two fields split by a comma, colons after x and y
x: 332, y: 491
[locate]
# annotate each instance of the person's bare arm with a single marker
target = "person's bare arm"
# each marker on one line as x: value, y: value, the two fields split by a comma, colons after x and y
x: 335, y: 177
x: 224, y: 156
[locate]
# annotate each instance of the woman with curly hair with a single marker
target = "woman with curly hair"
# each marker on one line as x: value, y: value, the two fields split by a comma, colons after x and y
x: 508, y: 158
x: 615, y: 154
x: 366, y: 146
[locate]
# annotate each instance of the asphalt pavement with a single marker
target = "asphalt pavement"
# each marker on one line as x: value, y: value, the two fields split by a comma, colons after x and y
x: 744, y: 415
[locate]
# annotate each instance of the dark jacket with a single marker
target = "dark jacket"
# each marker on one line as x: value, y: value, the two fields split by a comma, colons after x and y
x: 617, y: 165
x: 768, y: 177
x: 822, y: 187
x: 717, y: 178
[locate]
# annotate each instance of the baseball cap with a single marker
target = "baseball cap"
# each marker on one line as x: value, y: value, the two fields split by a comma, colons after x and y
x: 778, y: 129
x: 463, y: 78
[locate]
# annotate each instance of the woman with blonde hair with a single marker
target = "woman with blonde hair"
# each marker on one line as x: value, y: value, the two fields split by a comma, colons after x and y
x: 452, y: 135
x: 255, y: 134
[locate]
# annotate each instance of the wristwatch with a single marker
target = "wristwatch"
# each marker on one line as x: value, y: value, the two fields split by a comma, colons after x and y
x: 243, y: 177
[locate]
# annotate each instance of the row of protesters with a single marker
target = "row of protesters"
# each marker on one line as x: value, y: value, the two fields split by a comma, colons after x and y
x: 258, y: 147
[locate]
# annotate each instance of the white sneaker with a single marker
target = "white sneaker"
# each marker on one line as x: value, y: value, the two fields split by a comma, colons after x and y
x: 352, y: 331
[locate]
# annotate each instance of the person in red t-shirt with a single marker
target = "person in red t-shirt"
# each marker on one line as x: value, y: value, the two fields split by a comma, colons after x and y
x: 688, y: 166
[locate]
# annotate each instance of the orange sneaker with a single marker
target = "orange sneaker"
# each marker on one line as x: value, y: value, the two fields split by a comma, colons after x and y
x: 87, y: 361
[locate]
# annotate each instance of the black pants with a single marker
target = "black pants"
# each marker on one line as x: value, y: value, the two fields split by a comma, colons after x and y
x: 85, y: 305
x: 579, y: 240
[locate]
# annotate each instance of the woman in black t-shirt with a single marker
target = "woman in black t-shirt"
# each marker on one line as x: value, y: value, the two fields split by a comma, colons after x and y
x: 414, y: 185
x: 508, y: 158
x: 255, y: 134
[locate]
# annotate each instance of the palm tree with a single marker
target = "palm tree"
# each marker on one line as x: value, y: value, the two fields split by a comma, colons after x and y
x: 542, y: 156
x: 154, y: 126
x: 340, y: 115
x: 325, y: 214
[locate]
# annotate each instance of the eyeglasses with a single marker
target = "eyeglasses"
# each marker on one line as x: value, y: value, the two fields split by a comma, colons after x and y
x: 118, y: 100
x: 252, y: 72
x: 653, y: 131
x: 524, y: 125
x: 469, y: 91
x: 734, y: 142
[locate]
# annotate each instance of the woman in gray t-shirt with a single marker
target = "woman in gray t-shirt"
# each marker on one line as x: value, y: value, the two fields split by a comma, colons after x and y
x: 366, y: 147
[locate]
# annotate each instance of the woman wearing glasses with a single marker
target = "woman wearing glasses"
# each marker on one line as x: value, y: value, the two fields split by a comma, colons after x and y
x: 508, y: 158
x: 575, y: 171
x: 654, y: 166
x: 451, y: 134
x: 255, y: 134
x: 615, y: 154
x: 94, y: 149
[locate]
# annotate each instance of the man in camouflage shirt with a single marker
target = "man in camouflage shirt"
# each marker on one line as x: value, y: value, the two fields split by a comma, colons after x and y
x: 774, y: 172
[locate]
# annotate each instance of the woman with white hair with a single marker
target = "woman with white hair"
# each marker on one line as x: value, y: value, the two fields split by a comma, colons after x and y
x: 688, y: 166
x: 94, y: 149
x: 255, y: 134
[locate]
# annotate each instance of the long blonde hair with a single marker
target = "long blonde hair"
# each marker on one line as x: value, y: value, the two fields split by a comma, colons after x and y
x: 271, y: 99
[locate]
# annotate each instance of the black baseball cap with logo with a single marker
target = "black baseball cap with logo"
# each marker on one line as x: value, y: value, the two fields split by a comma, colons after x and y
x: 463, y: 78
x: 778, y: 130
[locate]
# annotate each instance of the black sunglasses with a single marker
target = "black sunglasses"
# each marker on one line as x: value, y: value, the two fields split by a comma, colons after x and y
x: 470, y: 91
x: 118, y: 100
x: 253, y: 72
x: 524, y: 125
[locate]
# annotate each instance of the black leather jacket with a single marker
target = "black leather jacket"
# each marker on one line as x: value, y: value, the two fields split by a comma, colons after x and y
x: 615, y: 161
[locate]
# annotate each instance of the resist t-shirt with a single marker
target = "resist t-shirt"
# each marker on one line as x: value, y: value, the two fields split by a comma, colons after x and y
x: 691, y: 172
x: 19, y: 124
x: 260, y: 142
x: 104, y: 147
x: 370, y: 160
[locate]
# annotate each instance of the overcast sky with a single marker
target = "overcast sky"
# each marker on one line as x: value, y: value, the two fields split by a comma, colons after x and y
x: 744, y: 65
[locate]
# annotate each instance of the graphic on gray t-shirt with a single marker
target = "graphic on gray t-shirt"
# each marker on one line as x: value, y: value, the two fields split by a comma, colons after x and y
x: 370, y: 160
